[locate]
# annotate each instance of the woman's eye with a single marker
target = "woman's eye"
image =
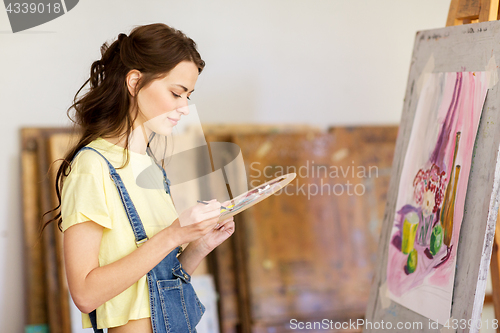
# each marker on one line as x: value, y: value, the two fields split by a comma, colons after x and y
x: 179, y: 96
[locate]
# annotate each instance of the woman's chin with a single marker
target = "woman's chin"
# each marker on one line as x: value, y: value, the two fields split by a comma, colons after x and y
x: 165, y: 131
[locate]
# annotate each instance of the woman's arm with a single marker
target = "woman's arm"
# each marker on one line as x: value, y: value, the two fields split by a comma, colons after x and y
x: 194, y: 253
x: 91, y: 285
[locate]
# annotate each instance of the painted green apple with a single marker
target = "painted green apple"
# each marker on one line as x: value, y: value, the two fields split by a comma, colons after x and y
x: 436, y: 239
x: 411, y: 263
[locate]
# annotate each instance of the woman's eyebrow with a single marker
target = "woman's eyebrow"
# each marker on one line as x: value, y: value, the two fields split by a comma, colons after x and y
x: 180, y: 85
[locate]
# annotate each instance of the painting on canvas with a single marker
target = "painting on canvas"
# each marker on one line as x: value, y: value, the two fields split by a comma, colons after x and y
x: 432, y: 191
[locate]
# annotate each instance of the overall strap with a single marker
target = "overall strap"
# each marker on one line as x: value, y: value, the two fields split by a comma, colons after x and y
x: 133, y: 216
x: 166, y: 181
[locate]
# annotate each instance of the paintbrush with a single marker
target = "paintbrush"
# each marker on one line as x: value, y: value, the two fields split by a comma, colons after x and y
x: 206, y: 203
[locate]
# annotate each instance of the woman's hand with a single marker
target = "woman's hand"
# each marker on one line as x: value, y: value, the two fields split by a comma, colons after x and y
x: 191, y: 257
x: 196, y: 222
x: 201, y: 212
x: 217, y: 235
x: 194, y: 253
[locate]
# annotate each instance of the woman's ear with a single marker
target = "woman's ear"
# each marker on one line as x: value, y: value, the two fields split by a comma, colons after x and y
x: 132, y: 79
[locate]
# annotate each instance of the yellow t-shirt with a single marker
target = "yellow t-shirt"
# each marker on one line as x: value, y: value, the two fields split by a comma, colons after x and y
x: 89, y: 194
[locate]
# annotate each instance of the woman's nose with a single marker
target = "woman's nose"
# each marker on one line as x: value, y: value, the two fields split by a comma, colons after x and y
x: 181, y: 103
x: 184, y: 110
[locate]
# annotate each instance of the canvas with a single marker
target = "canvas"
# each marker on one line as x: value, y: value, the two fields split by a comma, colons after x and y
x: 432, y: 191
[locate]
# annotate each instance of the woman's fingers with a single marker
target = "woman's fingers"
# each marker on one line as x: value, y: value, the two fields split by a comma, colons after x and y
x: 228, y: 220
x: 229, y: 227
x: 200, y: 213
x: 211, y: 205
x: 211, y: 214
x: 210, y: 209
x: 208, y: 224
x: 231, y: 219
x: 222, y: 224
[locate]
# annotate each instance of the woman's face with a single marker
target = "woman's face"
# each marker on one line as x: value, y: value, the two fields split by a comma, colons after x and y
x: 163, y: 101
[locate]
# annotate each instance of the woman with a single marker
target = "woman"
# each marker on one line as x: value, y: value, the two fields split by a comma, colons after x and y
x: 142, y: 85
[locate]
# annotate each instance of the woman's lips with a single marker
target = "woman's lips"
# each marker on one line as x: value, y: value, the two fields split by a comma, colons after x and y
x: 174, y: 121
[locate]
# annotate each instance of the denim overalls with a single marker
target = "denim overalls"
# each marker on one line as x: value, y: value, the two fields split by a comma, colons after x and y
x: 175, y: 308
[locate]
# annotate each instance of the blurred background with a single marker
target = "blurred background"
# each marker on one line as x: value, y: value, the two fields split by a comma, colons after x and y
x: 319, y: 72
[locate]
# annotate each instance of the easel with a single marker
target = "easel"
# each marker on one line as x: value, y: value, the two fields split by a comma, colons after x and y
x: 474, y: 11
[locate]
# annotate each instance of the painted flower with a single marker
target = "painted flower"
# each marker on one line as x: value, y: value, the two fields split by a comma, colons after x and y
x: 428, y: 202
x: 431, y: 180
x: 419, y: 177
x: 434, y: 174
x: 419, y: 193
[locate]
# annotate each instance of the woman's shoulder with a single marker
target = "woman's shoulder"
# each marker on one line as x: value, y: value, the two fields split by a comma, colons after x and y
x: 88, y: 161
x: 101, y: 152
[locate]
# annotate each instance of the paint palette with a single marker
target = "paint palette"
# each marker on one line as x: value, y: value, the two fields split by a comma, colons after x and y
x: 255, y: 195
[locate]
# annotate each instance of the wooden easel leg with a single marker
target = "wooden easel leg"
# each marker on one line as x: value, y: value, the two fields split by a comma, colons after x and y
x: 471, y: 11
x: 495, y: 271
x: 489, y: 10
x: 452, y: 13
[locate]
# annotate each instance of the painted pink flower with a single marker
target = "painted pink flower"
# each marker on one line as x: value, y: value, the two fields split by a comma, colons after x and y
x: 434, y: 173
x: 419, y: 193
x: 433, y: 181
x: 418, y: 178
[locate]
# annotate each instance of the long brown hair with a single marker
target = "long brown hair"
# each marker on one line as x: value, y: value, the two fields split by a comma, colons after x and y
x: 104, y: 110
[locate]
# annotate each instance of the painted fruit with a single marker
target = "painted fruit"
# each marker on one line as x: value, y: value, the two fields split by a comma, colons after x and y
x: 436, y: 239
x: 411, y: 263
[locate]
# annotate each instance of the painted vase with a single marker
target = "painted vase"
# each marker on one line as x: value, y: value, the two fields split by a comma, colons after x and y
x: 448, y: 209
x: 410, y: 225
x: 425, y: 229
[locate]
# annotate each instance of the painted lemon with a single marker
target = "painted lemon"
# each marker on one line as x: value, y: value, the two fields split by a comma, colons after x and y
x: 411, y: 263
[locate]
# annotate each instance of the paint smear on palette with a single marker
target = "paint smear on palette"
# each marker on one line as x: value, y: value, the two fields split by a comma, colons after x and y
x: 431, y: 196
x: 245, y: 199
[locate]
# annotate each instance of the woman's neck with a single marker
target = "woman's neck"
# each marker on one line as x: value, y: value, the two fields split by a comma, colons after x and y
x: 137, y: 140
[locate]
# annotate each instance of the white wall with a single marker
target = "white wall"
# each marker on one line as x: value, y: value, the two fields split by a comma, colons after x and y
x: 332, y: 62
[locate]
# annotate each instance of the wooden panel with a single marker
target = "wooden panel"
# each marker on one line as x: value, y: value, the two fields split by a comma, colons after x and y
x: 223, y: 263
x: 306, y: 253
x: 489, y: 10
x: 373, y: 148
x: 452, y: 13
x: 472, y: 11
x: 232, y: 129
x: 222, y: 259
x: 58, y: 145
x: 59, y: 318
x: 468, y: 9
x: 50, y: 267
x: 55, y: 292
x: 33, y: 261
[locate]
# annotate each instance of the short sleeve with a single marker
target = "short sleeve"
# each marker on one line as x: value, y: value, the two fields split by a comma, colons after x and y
x: 83, y: 197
